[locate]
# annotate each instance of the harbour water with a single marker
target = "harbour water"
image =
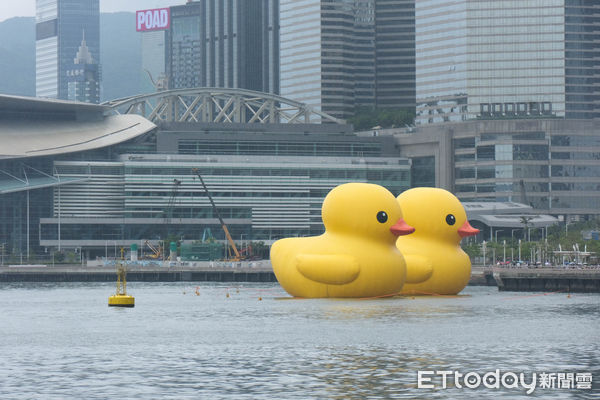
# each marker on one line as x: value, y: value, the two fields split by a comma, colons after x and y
x: 252, y: 341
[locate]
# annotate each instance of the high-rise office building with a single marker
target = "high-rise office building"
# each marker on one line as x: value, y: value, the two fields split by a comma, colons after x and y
x: 339, y: 55
x: 59, y: 28
x: 582, y: 58
x: 152, y: 25
x: 83, y: 77
x: 395, y: 54
x: 231, y: 44
x: 153, y: 61
x: 507, y: 59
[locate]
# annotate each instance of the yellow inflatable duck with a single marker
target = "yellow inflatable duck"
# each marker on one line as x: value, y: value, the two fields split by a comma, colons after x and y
x: 435, y: 262
x: 356, y: 256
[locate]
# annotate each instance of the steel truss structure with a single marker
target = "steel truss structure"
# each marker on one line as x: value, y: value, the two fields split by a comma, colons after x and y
x: 219, y: 105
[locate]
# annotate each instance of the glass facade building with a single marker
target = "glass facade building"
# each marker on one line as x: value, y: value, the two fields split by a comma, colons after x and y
x: 300, y: 42
x: 153, y: 197
x: 267, y: 185
x: 582, y: 59
x: 550, y: 164
x: 231, y: 44
x: 552, y: 171
x: 153, y: 61
x: 73, y: 176
x: 338, y: 55
x: 60, y: 25
x: 395, y: 54
x: 506, y: 59
x: 83, y: 78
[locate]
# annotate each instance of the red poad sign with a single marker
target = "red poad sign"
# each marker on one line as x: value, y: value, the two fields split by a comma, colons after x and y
x: 152, y: 20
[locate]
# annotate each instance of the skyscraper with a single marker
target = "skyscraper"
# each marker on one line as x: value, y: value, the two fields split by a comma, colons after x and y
x: 153, y: 61
x: 338, y: 55
x: 231, y: 44
x: 152, y: 25
x: 502, y: 58
x: 59, y: 27
x: 395, y: 53
x: 582, y: 59
x: 83, y: 77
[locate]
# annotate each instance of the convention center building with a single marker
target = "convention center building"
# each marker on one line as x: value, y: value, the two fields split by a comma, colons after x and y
x: 96, y: 177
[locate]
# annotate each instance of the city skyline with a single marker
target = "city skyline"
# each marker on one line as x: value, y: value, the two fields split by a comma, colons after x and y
x: 60, y: 27
x: 340, y: 57
x: 224, y: 44
x: 500, y: 58
x: 26, y: 8
x: 579, y: 93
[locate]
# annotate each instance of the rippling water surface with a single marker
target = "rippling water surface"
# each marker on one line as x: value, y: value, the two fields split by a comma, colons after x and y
x: 62, y: 341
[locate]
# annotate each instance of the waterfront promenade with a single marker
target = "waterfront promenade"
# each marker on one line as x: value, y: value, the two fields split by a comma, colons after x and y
x: 506, y: 279
x: 211, y: 271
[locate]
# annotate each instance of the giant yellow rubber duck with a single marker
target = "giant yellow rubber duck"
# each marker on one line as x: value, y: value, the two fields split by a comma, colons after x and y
x: 435, y: 262
x: 356, y: 256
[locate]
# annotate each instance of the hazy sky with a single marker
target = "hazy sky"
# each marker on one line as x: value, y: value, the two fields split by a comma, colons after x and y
x: 21, y: 8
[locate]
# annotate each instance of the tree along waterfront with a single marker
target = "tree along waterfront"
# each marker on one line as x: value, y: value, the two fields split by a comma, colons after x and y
x: 540, y: 249
x: 558, y: 245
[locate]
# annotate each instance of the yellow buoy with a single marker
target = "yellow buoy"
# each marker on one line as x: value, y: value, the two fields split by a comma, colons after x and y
x: 121, y: 301
x: 121, y: 298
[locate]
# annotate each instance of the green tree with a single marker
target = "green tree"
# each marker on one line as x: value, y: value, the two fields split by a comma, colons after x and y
x: 260, y: 250
x: 366, y: 118
x: 525, y: 221
x: 472, y: 249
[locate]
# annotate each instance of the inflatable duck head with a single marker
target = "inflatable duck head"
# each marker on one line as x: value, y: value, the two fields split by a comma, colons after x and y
x: 366, y: 210
x: 435, y: 262
x: 435, y: 214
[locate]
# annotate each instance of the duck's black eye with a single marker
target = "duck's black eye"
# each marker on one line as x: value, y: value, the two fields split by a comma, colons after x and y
x: 450, y: 219
x: 382, y: 217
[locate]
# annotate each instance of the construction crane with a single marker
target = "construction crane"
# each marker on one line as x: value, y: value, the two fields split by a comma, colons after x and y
x: 161, y: 83
x: 156, y: 250
x: 237, y: 256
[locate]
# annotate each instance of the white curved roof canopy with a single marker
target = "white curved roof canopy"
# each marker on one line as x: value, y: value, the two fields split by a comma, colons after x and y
x: 42, y: 138
x: 31, y: 127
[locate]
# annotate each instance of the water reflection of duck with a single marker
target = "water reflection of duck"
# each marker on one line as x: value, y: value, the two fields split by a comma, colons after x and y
x: 356, y: 256
x: 436, y: 264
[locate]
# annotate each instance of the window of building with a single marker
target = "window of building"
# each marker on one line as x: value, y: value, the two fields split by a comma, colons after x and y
x: 546, y: 108
x: 497, y: 109
x: 464, y: 143
x: 464, y: 173
x: 486, y: 152
x: 534, y: 108
x: 423, y: 172
x: 509, y: 108
x: 484, y: 109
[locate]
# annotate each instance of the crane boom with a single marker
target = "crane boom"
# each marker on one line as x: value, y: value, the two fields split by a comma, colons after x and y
x: 155, y: 250
x: 212, y: 202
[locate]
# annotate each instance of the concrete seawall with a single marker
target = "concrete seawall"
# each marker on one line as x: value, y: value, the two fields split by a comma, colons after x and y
x: 482, y: 276
x: 524, y: 280
x: 548, y: 280
x: 260, y: 271
x: 137, y: 274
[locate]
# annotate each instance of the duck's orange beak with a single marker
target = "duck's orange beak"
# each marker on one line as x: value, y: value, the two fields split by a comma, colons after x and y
x: 402, y: 228
x: 467, y: 230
